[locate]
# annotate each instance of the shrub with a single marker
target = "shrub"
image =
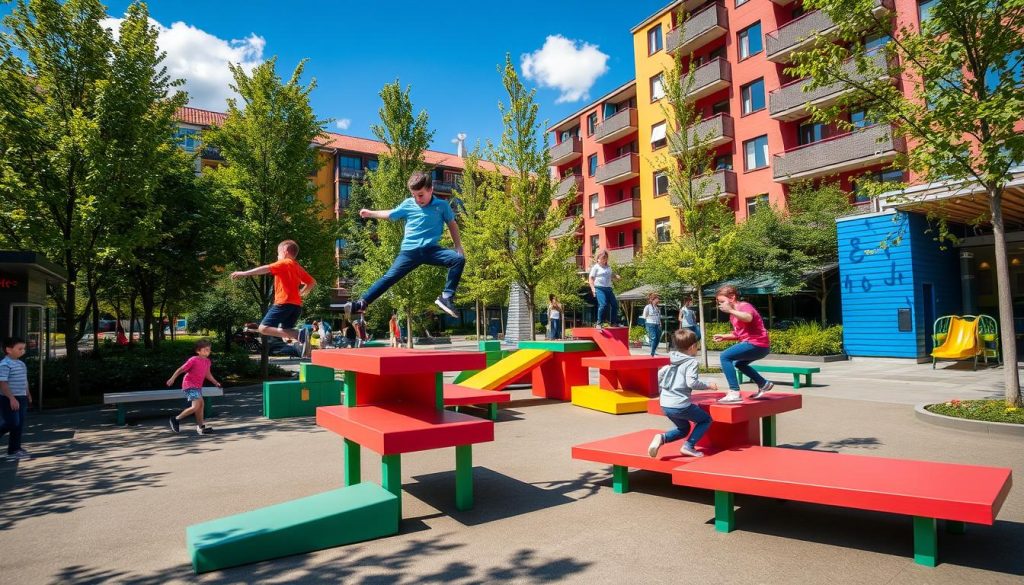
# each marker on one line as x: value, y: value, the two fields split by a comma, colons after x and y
x: 803, y: 339
x: 637, y: 334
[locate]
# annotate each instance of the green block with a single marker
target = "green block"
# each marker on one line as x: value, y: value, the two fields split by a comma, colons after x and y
x: 926, y: 541
x: 343, y: 516
x: 620, y: 479
x: 489, y: 345
x: 311, y: 373
x: 289, y: 399
x: 725, y: 511
x: 328, y: 393
x: 559, y: 346
x: 465, y: 375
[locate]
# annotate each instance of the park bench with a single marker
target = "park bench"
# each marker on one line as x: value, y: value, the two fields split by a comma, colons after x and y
x: 797, y: 371
x: 456, y: 396
x: 927, y: 491
x: 122, y: 399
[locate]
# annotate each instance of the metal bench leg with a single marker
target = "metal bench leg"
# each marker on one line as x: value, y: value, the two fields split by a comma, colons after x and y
x: 464, y: 477
x: 955, y: 527
x: 725, y: 512
x: 353, y: 468
x: 926, y: 541
x: 768, y: 431
x: 739, y: 377
x: 121, y: 418
x: 391, y: 477
x: 620, y: 479
x: 207, y: 407
x: 808, y: 379
x: 492, y: 410
x: 796, y: 381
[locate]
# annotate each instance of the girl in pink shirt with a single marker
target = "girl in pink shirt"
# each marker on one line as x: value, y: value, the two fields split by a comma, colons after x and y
x: 197, y: 371
x: 748, y: 329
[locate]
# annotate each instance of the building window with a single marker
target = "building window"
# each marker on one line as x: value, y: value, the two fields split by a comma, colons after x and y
x: 740, y: 3
x: 876, y: 40
x: 811, y: 132
x: 753, y: 96
x: 859, y: 119
x: 749, y: 40
x: 721, y: 107
x: 344, y: 194
x: 663, y: 230
x: 593, y: 205
x: 591, y: 123
x: 372, y: 164
x: 860, y: 194
x: 634, y: 193
x: 621, y: 239
x: 591, y: 165
x: 627, y: 148
x: 1013, y: 70
x: 756, y: 153
x: 188, y: 138
x: 723, y: 162
x: 658, y: 136
x: 924, y: 9
x: 654, y: 40
x: 610, y: 110
x: 660, y: 184
x: 754, y: 202
x: 657, y: 87
x: 350, y: 162
x: 595, y: 242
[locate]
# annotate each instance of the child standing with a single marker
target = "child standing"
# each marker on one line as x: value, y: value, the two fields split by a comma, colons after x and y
x: 197, y: 371
x: 555, y: 316
x: 395, y: 330
x: 652, y: 321
x: 688, y: 317
x: 747, y: 328
x: 601, y: 277
x: 291, y: 284
x: 425, y: 217
x: 16, y: 397
x: 676, y: 381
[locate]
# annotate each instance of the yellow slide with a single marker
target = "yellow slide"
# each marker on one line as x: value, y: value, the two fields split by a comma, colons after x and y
x: 961, y: 341
x: 503, y: 372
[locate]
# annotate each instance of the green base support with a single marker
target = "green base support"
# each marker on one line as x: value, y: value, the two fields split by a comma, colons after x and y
x: 926, y: 541
x: 809, y: 379
x: 620, y: 479
x: 492, y: 411
x: 207, y: 407
x: 391, y: 477
x: 725, y: 511
x: 122, y: 418
x: 955, y: 527
x: 768, y: 438
x: 353, y: 463
x: 464, y: 477
x: 796, y: 381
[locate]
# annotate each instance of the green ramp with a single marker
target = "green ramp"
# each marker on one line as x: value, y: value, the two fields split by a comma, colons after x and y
x: 363, y: 511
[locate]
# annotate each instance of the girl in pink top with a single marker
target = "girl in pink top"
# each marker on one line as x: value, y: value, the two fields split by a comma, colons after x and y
x: 197, y: 371
x: 748, y: 329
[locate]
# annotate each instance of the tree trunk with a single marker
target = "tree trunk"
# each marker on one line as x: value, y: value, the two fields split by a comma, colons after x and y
x: 477, y: 306
x: 159, y: 335
x: 132, y: 316
x: 1008, y: 339
x: 700, y: 326
x: 94, y: 302
x: 771, y: 313
x: 408, y: 328
x: 227, y: 339
x: 147, y: 316
x: 824, y: 301
x: 71, y: 336
x: 533, y: 312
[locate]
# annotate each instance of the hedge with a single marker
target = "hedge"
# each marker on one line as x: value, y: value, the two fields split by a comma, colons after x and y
x: 804, y: 339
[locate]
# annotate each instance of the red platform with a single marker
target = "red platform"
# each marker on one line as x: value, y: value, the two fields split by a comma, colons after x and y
x: 635, y: 373
x: 966, y: 493
x: 630, y: 450
x: 556, y: 376
x: 389, y: 361
x: 404, y: 428
x: 455, y: 395
x: 613, y: 341
x: 770, y: 404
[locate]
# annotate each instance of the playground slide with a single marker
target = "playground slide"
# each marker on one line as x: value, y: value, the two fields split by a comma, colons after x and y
x: 507, y: 370
x: 612, y: 341
x: 961, y: 341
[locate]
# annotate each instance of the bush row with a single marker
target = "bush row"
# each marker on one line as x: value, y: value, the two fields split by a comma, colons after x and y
x: 803, y: 339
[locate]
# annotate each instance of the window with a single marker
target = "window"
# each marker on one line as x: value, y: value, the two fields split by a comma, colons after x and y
x: 654, y: 40
x: 658, y: 136
x: 593, y: 205
x: 591, y: 123
x: 740, y: 3
x: 860, y: 194
x: 344, y: 194
x: 721, y: 107
x: 1012, y: 70
x: 718, y: 53
x: 340, y: 243
x: 657, y: 88
x: 859, y: 119
x: 188, y: 138
x: 723, y: 162
x: 352, y: 163
x: 754, y: 202
x: 924, y: 9
x: 595, y: 242
x: 621, y: 239
x: 749, y: 41
x: 372, y: 164
x: 591, y: 165
x: 753, y: 96
x: 663, y: 230
x: 811, y: 132
x: 634, y: 193
x: 636, y: 238
x: 660, y: 184
x: 756, y: 153
x: 626, y: 149
x: 610, y: 110
x: 876, y: 40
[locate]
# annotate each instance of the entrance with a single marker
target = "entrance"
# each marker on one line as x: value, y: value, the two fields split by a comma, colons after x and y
x: 27, y: 322
x: 928, y: 298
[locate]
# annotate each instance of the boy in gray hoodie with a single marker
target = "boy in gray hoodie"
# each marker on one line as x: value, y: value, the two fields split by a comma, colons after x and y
x: 675, y: 382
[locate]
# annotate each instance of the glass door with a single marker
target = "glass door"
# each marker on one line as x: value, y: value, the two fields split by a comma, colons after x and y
x: 26, y: 322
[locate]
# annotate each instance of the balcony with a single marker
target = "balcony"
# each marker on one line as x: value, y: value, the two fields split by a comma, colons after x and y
x: 565, y: 185
x: 349, y: 173
x: 618, y: 126
x: 625, y: 211
x: 790, y: 101
x: 783, y: 2
x: 564, y: 227
x: 798, y: 34
x: 698, y: 30
x: 568, y: 151
x: 721, y: 184
x: 869, y: 146
x: 618, y: 170
x: 446, y: 186
x: 579, y: 261
x: 623, y: 255
x: 716, y: 130
x: 715, y: 75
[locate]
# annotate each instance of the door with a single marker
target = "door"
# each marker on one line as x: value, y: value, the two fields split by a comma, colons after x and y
x: 928, y: 297
x: 26, y: 322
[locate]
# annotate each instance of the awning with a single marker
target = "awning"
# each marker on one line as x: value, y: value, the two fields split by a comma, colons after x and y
x: 658, y: 132
x: 764, y: 284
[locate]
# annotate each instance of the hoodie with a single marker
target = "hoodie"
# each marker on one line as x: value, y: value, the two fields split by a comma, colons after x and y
x: 678, y: 379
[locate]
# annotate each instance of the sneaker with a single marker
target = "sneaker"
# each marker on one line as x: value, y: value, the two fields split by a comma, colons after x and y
x: 18, y: 455
x: 656, y: 444
x: 447, y: 305
x: 175, y: 425
x: 690, y: 451
x: 203, y: 430
x: 732, y: 397
x: 353, y: 307
x: 768, y: 385
x: 599, y: 327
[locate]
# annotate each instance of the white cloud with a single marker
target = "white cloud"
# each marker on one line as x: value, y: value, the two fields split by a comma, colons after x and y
x: 343, y: 123
x: 201, y: 59
x: 569, y: 66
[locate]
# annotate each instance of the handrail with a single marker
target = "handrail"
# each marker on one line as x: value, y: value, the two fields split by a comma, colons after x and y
x: 696, y: 14
x: 610, y: 205
x: 832, y: 138
x: 774, y: 34
x: 609, y: 161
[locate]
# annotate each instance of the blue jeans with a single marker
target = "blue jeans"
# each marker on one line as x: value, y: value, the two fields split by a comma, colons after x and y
x: 409, y: 260
x: 556, y: 328
x: 738, y: 357
x: 14, y: 421
x: 654, y: 333
x: 606, y: 301
x: 682, y: 417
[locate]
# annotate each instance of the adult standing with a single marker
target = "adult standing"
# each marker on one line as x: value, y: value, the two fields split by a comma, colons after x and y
x: 601, y: 278
x: 748, y: 329
x: 688, y: 317
x: 555, y: 317
x: 652, y: 321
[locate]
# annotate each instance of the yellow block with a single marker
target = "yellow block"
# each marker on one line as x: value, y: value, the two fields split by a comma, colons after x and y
x: 504, y: 371
x: 610, y: 401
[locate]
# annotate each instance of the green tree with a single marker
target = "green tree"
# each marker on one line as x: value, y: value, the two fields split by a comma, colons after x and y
x: 220, y: 309
x: 959, y: 102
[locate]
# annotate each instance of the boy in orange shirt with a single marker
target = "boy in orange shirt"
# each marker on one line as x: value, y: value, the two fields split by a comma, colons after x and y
x: 288, y: 276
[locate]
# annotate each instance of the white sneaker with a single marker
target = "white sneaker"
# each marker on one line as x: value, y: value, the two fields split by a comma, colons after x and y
x: 656, y: 444
x: 768, y: 385
x: 731, y: 397
x: 689, y: 451
x: 599, y: 327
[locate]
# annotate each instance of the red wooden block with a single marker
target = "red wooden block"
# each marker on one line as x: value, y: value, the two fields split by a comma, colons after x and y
x: 455, y: 395
x: 948, y: 491
x: 626, y: 362
x: 404, y: 428
x: 613, y: 341
x: 555, y: 377
x: 639, y: 381
x: 385, y: 361
x: 409, y: 388
x: 630, y: 450
x: 771, y: 403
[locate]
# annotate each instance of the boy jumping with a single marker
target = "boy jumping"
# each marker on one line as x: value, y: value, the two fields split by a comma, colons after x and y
x: 288, y: 276
x: 425, y: 217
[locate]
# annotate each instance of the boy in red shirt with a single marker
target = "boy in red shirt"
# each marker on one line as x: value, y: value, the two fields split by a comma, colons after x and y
x: 291, y: 283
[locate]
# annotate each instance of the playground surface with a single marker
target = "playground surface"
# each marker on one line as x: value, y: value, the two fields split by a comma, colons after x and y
x: 108, y: 504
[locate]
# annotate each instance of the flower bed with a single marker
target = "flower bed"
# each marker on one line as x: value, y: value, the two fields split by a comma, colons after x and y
x: 984, y: 410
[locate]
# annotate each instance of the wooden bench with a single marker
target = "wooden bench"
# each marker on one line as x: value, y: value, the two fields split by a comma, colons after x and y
x: 121, y: 399
x: 927, y: 491
x: 456, y: 396
x: 797, y: 371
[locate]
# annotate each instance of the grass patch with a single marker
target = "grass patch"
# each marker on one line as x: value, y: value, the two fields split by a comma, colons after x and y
x: 984, y: 410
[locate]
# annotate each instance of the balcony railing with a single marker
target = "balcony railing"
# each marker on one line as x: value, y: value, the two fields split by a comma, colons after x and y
x: 447, y: 186
x: 790, y: 101
x: 622, y: 255
x: 618, y: 170
x: 698, y: 30
x: 568, y: 151
x: 869, y: 146
x: 716, y: 130
x: 564, y: 227
x: 617, y: 126
x: 800, y: 32
x: 579, y: 261
x: 349, y: 173
x: 625, y: 211
x: 710, y: 77
x: 720, y: 184
x: 565, y: 185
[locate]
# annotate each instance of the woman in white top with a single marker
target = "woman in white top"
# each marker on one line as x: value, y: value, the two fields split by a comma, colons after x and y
x: 652, y: 321
x: 601, y: 278
x: 555, y: 317
x: 688, y: 317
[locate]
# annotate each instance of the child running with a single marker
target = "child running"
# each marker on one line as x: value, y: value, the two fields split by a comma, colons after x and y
x: 748, y: 329
x: 197, y: 371
x: 425, y: 217
x: 16, y: 398
x: 291, y: 284
x: 675, y: 382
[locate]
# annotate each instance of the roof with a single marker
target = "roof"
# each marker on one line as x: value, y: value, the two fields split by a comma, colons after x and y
x: 198, y: 117
x: 670, y: 6
x: 571, y: 117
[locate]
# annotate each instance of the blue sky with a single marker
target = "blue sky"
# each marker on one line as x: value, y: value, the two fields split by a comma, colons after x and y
x: 449, y: 54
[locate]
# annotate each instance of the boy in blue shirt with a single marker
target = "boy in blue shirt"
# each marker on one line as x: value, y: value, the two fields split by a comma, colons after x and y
x: 425, y: 217
x: 14, y: 396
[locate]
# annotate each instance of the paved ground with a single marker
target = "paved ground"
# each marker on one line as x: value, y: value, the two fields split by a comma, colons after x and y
x: 104, y: 504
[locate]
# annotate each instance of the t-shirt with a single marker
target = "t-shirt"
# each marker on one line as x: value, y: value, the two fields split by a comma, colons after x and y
x: 196, y: 369
x: 423, y: 225
x: 753, y: 332
x: 687, y: 317
x: 15, y: 373
x: 602, y: 275
x: 554, y: 313
x: 287, y: 277
x: 652, y: 314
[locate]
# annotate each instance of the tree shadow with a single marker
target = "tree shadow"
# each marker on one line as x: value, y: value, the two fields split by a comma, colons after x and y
x: 869, y: 443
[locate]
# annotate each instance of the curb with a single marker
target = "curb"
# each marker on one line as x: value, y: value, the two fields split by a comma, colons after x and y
x: 825, y: 359
x: 963, y: 424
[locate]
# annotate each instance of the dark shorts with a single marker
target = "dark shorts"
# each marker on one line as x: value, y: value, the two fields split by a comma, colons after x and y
x: 283, y: 316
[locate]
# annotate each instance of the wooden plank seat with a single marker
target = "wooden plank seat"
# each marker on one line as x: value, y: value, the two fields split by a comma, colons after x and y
x: 927, y: 491
x: 122, y: 399
x: 456, y: 396
x: 797, y: 371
